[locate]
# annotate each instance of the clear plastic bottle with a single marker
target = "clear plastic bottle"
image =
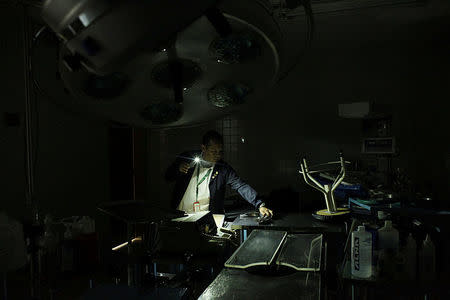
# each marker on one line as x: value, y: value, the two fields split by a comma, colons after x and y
x: 427, y: 260
x: 67, y: 250
x: 361, y: 260
x: 410, y: 257
x: 388, y: 237
x: 388, y: 246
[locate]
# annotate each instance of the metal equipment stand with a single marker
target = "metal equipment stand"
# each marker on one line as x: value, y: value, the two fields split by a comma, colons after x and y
x: 331, y: 211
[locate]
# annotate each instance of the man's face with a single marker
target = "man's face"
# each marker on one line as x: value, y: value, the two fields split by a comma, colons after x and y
x: 213, y: 152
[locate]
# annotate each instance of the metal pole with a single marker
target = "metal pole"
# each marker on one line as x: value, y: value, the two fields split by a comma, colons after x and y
x: 30, y: 201
x: 329, y: 199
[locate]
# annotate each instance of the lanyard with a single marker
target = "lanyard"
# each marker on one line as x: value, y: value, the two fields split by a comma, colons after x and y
x: 204, y: 177
x: 200, y: 182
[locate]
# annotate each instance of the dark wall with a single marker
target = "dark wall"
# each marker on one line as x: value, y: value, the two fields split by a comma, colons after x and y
x: 11, y: 138
x: 71, y: 151
x: 396, y: 58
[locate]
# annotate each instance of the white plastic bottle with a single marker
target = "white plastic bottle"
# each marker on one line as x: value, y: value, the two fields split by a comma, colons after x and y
x: 427, y: 260
x: 361, y: 260
x: 388, y: 237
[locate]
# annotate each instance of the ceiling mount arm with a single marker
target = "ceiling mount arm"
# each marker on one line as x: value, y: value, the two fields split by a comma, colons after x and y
x: 176, y: 73
x: 218, y: 20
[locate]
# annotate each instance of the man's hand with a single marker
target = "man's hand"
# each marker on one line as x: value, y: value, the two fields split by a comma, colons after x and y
x: 264, y: 211
x: 184, y: 167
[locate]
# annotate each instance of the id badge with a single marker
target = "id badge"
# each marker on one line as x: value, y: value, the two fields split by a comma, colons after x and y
x: 196, y: 206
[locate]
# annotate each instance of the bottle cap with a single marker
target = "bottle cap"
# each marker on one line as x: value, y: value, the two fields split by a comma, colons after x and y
x: 388, y: 223
x: 410, y: 241
x: 381, y: 215
x: 361, y: 228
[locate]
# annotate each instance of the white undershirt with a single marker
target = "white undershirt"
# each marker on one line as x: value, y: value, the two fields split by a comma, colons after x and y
x: 187, y: 202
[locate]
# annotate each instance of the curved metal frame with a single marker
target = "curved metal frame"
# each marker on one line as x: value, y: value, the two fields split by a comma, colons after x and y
x: 326, y: 189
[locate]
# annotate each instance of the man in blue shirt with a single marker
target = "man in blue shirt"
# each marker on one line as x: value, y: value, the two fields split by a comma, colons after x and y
x: 201, y: 178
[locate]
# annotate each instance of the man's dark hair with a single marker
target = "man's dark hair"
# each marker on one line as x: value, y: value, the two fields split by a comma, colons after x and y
x: 212, y: 136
